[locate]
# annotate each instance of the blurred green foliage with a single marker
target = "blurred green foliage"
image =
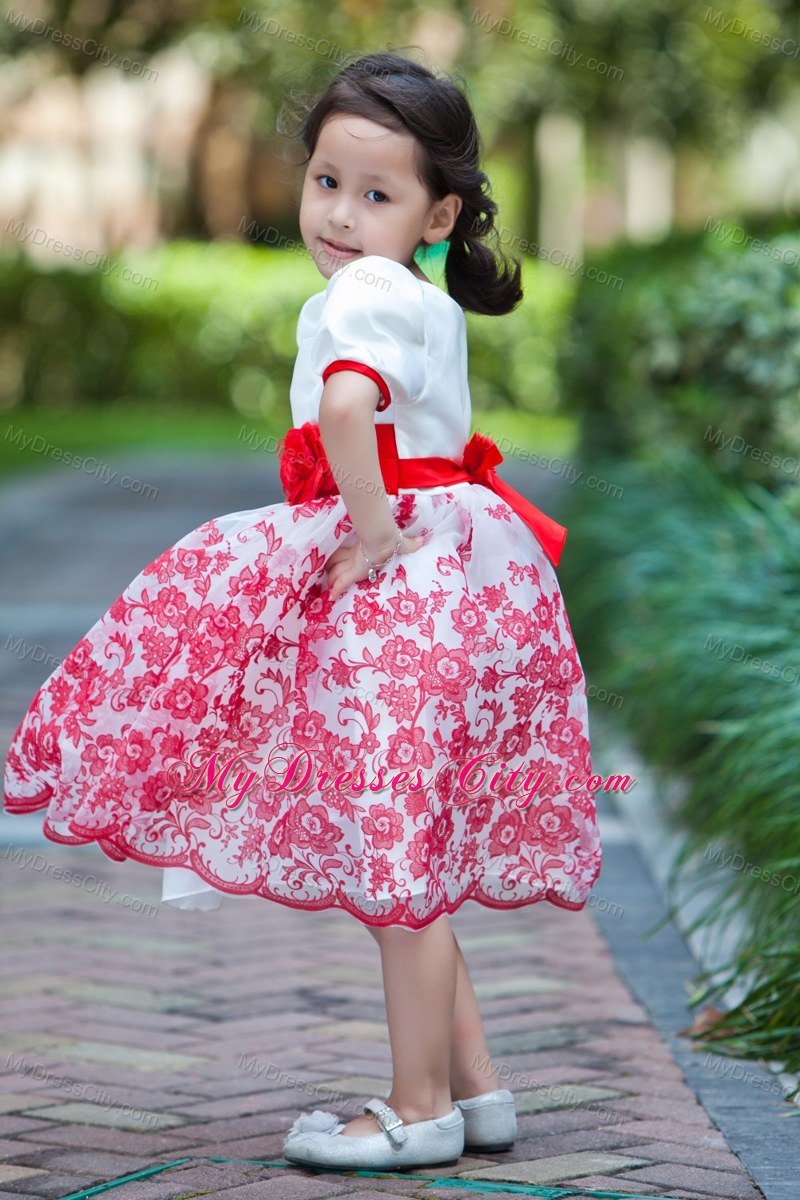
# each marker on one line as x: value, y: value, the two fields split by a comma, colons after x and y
x: 670, y: 67
x: 683, y: 72
x: 682, y: 578
x: 192, y: 324
x: 700, y: 348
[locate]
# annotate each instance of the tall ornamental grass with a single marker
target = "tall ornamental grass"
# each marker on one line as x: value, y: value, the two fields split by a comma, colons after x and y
x: 684, y: 595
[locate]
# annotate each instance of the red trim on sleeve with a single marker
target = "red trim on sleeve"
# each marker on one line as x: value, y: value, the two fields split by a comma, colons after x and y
x: 348, y: 364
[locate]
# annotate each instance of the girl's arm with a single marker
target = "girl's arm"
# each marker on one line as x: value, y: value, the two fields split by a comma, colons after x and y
x: 347, y: 429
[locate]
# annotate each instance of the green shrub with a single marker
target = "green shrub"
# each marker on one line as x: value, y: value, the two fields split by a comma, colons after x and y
x: 699, y: 348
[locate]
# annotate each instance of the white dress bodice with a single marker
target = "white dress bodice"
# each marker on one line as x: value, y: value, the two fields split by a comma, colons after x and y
x: 375, y: 312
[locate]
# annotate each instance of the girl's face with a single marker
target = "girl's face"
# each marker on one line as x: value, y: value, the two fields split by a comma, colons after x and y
x: 361, y: 196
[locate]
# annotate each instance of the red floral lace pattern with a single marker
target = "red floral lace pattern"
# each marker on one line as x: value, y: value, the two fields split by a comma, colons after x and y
x: 229, y: 642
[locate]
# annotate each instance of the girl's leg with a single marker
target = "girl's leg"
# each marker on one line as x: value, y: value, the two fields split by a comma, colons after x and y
x: 471, y: 1070
x: 419, y: 981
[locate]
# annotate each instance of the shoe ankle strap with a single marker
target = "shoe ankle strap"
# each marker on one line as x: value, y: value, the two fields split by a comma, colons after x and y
x: 388, y: 1120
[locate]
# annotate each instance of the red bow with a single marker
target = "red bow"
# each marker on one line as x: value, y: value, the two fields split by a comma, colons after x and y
x: 481, y: 454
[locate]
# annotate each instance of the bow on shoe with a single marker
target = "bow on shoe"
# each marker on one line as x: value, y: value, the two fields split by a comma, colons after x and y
x: 319, y: 1121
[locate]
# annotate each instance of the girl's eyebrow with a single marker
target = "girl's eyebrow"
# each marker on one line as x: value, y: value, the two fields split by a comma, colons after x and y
x: 373, y: 176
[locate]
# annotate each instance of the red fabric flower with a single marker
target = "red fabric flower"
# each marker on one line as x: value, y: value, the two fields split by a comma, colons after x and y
x: 304, y: 468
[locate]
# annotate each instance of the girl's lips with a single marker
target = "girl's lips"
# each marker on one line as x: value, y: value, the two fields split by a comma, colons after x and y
x: 339, y: 251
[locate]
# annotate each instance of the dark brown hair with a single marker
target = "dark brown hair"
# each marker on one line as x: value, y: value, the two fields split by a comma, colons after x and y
x: 403, y: 95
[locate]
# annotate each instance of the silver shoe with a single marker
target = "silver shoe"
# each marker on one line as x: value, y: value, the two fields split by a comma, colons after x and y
x: 490, y: 1120
x: 316, y: 1140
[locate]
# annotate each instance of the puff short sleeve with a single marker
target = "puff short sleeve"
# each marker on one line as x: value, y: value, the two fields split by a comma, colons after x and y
x: 372, y: 322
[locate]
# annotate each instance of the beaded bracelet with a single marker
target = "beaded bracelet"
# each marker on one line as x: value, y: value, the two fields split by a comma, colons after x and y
x: 371, y: 574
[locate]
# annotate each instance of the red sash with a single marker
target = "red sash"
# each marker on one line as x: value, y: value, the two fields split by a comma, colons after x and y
x: 306, y: 475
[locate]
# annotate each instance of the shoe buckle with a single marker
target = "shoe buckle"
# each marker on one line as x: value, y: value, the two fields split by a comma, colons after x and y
x: 388, y: 1120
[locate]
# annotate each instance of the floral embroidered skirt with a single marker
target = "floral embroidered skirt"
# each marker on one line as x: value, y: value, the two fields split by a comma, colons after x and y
x: 421, y: 741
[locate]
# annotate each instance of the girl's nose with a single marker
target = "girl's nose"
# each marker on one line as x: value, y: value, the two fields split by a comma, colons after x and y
x: 342, y: 213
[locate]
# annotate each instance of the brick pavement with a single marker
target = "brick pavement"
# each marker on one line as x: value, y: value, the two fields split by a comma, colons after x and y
x: 132, y: 1038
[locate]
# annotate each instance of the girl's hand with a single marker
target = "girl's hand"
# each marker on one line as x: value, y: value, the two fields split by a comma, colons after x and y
x: 347, y: 564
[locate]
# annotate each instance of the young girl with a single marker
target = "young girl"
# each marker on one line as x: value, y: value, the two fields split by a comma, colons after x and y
x: 367, y: 697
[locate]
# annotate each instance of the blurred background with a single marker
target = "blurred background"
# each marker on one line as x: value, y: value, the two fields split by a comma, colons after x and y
x: 645, y: 157
x: 149, y: 190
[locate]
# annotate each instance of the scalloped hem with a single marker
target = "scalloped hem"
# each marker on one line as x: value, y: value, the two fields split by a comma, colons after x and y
x: 184, y: 888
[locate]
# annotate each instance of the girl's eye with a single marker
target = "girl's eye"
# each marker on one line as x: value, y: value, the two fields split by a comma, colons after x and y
x: 320, y: 179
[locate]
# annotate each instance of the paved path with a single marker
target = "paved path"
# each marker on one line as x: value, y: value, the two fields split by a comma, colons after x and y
x: 134, y: 1035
